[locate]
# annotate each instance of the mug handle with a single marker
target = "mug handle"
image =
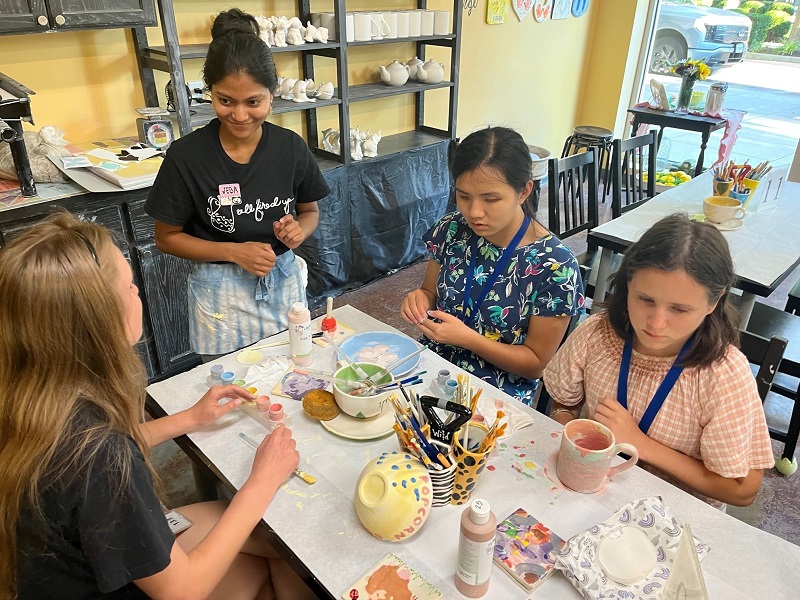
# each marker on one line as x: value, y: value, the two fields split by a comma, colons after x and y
x: 631, y: 451
x: 742, y: 215
x: 373, y: 27
x: 385, y: 26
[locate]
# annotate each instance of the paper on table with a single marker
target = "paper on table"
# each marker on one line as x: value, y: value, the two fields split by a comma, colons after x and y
x: 265, y: 375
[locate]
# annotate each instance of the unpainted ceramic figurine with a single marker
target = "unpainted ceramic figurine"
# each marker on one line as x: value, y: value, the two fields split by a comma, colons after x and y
x: 370, y: 146
x: 330, y: 141
x: 285, y: 90
x: 310, y: 32
x: 322, y: 35
x: 295, y: 33
x: 299, y: 91
x: 281, y: 26
x: 356, y: 142
x: 325, y: 90
x: 265, y: 30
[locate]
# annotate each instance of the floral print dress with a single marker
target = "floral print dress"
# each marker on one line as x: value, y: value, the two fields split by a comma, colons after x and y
x: 541, y: 279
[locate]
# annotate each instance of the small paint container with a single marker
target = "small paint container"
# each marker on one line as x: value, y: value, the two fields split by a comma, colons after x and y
x: 449, y: 389
x: 278, y: 417
x: 253, y: 390
x: 442, y: 378
x: 239, y: 382
x: 228, y: 377
x: 216, y: 374
x: 262, y: 404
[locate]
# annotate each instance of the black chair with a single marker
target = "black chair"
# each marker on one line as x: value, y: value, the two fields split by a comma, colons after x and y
x: 768, y: 322
x: 767, y: 354
x: 633, y: 172
x: 572, y: 194
x: 793, y: 301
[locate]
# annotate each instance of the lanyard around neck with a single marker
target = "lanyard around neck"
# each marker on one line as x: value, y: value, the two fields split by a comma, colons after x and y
x: 467, y: 306
x: 663, y: 390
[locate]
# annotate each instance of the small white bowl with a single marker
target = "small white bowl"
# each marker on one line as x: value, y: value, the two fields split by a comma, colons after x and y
x: 360, y: 407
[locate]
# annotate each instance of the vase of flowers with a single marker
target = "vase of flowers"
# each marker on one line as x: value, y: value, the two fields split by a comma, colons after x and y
x: 689, y: 71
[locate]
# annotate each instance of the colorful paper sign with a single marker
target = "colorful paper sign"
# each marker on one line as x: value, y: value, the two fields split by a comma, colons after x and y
x: 542, y: 10
x: 561, y: 9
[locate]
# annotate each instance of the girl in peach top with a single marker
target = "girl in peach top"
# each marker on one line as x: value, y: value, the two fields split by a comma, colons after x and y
x: 661, y: 369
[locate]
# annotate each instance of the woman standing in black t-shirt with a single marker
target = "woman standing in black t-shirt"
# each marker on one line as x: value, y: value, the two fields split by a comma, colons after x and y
x: 78, y: 514
x: 236, y: 197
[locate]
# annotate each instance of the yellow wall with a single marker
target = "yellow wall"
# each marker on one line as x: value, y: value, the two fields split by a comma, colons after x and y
x: 541, y: 78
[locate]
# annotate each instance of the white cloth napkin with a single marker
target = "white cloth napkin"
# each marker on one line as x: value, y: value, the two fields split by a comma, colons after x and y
x: 267, y: 373
x: 578, y: 558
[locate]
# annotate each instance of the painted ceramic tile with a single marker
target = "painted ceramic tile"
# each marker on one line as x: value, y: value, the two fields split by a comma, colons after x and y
x: 542, y: 10
x: 561, y: 9
x: 522, y: 8
x: 496, y: 11
x: 579, y: 7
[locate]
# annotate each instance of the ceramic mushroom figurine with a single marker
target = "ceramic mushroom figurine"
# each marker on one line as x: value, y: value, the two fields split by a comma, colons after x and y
x: 413, y: 65
x: 370, y: 145
x: 431, y: 72
x: 395, y: 74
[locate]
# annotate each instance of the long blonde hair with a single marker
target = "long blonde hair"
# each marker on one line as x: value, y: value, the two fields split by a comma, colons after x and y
x: 63, y: 351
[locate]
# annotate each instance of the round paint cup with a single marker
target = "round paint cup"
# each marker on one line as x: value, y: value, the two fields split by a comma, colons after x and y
x: 750, y: 184
x: 584, y: 459
x: 262, y: 404
x: 228, y: 377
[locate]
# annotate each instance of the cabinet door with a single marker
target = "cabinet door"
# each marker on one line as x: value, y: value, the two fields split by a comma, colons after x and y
x: 165, y: 283
x: 23, y: 16
x: 79, y: 14
x: 18, y: 16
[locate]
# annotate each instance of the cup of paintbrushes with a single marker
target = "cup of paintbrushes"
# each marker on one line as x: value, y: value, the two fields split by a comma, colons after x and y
x: 442, y: 478
x: 722, y: 187
x: 471, y: 452
x: 750, y: 185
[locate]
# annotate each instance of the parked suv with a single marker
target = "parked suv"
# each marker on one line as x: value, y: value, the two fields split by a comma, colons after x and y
x: 717, y: 36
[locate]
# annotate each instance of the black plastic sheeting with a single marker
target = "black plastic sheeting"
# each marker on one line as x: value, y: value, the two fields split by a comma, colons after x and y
x: 372, y: 222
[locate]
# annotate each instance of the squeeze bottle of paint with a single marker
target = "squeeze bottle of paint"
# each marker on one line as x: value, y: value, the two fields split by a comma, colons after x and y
x: 300, y: 334
x: 475, y: 549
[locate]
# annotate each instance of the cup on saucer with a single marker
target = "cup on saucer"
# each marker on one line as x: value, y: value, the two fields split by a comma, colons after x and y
x: 721, y: 209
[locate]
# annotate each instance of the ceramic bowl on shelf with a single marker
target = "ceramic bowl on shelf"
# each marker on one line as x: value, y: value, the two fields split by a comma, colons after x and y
x: 393, y: 496
x: 360, y: 406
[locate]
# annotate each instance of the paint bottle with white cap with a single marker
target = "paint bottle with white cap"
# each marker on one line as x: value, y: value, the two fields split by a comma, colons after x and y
x: 475, y: 549
x: 300, y: 334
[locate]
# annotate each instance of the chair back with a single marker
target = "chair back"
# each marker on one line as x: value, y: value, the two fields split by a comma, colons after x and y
x: 767, y: 354
x: 630, y: 160
x: 572, y: 194
x: 545, y: 402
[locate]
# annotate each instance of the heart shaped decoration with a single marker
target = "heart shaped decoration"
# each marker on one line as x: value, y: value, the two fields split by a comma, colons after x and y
x: 542, y: 10
x: 522, y: 8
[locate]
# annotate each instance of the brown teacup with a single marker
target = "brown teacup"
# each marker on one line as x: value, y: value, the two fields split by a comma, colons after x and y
x: 721, y: 209
x: 584, y: 460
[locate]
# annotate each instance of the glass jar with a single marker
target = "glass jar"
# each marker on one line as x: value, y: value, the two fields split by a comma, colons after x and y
x: 715, y: 98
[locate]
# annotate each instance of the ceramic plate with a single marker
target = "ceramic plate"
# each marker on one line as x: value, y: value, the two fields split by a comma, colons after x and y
x: 382, y: 348
x: 351, y: 428
x: 731, y: 225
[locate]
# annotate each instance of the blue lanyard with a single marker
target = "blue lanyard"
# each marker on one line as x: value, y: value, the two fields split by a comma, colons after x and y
x: 663, y: 390
x: 505, y: 257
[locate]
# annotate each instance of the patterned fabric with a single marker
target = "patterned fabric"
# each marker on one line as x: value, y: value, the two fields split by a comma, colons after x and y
x: 542, y: 279
x: 713, y: 414
x: 230, y: 308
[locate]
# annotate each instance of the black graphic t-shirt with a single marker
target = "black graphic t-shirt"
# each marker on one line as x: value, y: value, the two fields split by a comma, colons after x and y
x: 215, y: 198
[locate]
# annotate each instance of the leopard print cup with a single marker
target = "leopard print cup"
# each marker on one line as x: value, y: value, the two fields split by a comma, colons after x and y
x: 469, y: 465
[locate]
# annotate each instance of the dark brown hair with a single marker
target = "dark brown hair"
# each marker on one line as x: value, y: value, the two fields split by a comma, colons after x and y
x: 676, y: 243
x: 498, y: 148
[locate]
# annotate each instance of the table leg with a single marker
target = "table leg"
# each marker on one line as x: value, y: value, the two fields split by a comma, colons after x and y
x: 603, y: 269
x: 746, y: 309
x: 698, y: 169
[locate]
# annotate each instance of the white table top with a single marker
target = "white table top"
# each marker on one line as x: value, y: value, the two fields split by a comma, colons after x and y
x: 764, y: 249
x: 319, y: 524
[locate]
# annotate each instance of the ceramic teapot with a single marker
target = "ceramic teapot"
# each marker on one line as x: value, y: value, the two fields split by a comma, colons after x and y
x: 412, y: 65
x: 393, y: 496
x: 395, y: 74
x: 431, y: 72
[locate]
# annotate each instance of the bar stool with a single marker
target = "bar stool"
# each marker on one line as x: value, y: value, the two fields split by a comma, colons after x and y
x: 585, y: 137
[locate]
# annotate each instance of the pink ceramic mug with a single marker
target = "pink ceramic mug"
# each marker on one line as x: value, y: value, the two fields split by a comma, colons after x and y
x: 584, y: 460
